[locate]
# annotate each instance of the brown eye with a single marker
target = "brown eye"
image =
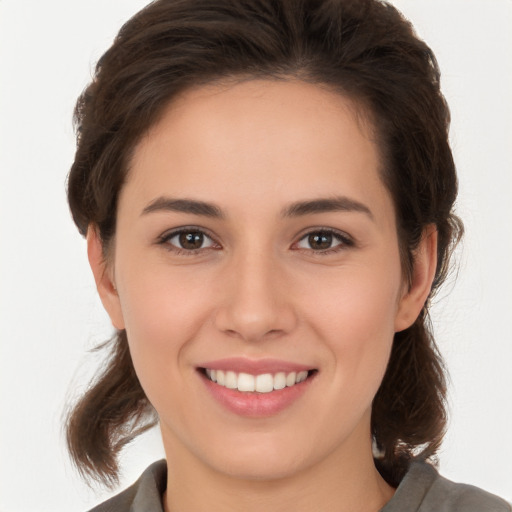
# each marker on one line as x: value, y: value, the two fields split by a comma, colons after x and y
x: 191, y: 241
x: 324, y: 241
x: 320, y: 241
x: 188, y: 240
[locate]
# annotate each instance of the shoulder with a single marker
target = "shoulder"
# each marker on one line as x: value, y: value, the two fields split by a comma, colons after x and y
x: 145, y: 494
x: 424, y: 490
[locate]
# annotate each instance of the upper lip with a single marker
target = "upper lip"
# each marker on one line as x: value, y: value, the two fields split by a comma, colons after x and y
x: 254, y: 366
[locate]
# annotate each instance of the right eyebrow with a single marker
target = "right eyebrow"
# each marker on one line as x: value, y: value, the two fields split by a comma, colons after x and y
x: 185, y: 206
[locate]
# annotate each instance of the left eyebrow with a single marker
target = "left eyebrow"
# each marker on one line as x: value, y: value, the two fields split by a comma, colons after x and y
x: 323, y: 205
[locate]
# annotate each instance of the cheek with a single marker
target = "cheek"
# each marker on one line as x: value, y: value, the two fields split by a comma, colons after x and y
x: 355, y: 316
x: 358, y: 304
x: 162, y: 313
x: 156, y: 296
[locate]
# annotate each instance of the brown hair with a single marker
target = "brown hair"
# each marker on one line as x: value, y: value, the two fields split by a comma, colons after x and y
x: 364, y: 49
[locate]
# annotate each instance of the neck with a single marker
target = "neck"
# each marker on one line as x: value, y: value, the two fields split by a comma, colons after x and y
x: 345, y: 481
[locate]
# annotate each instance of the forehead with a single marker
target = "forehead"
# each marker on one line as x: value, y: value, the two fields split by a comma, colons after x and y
x: 294, y: 102
x: 259, y: 139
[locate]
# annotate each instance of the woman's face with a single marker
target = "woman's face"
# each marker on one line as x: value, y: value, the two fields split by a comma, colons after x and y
x: 255, y: 238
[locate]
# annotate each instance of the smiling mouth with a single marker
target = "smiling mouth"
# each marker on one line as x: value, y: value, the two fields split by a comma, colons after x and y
x: 261, y: 383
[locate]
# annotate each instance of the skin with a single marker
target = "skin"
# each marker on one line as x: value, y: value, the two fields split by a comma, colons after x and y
x: 258, y: 288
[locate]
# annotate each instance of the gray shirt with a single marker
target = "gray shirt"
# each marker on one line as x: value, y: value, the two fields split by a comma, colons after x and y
x: 421, y: 490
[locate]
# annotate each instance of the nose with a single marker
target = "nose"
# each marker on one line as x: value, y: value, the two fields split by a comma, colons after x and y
x: 255, y: 301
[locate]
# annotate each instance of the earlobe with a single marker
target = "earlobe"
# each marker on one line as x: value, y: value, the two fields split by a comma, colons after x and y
x: 103, y: 276
x: 414, y: 298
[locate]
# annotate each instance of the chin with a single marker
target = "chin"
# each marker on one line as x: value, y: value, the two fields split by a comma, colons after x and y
x: 264, y: 456
x: 261, y: 468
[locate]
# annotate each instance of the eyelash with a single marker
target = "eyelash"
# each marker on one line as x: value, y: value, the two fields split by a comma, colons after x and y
x: 166, y: 237
x: 344, y: 240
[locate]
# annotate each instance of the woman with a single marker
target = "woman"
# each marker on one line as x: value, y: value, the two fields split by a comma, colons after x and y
x: 267, y: 190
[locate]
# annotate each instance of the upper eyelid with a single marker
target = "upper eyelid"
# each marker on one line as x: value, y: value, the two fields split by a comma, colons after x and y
x: 165, y: 237
x: 170, y: 233
x: 335, y: 232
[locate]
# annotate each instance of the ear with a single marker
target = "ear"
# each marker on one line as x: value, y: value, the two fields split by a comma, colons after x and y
x: 424, y: 268
x: 103, y: 275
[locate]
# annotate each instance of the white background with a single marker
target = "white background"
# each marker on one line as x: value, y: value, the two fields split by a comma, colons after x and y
x: 50, y: 315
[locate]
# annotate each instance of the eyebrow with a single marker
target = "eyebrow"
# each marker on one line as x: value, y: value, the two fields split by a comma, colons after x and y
x: 331, y: 204
x: 185, y: 206
x: 296, y: 209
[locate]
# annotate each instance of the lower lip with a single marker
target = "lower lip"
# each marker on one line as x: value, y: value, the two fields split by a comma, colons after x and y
x: 254, y: 404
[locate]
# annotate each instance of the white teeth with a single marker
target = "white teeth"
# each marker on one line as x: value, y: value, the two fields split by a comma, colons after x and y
x: 290, y: 379
x: 246, y: 382
x: 231, y: 380
x: 264, y: 383
x: 280, y: 380
x: 301, y: 376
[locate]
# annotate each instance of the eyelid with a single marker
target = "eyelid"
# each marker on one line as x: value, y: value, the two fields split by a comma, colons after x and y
x: 346, y: 241
x: 165, y: 237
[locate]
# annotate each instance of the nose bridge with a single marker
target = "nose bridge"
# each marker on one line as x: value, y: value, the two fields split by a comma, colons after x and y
x: 255, y: 302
